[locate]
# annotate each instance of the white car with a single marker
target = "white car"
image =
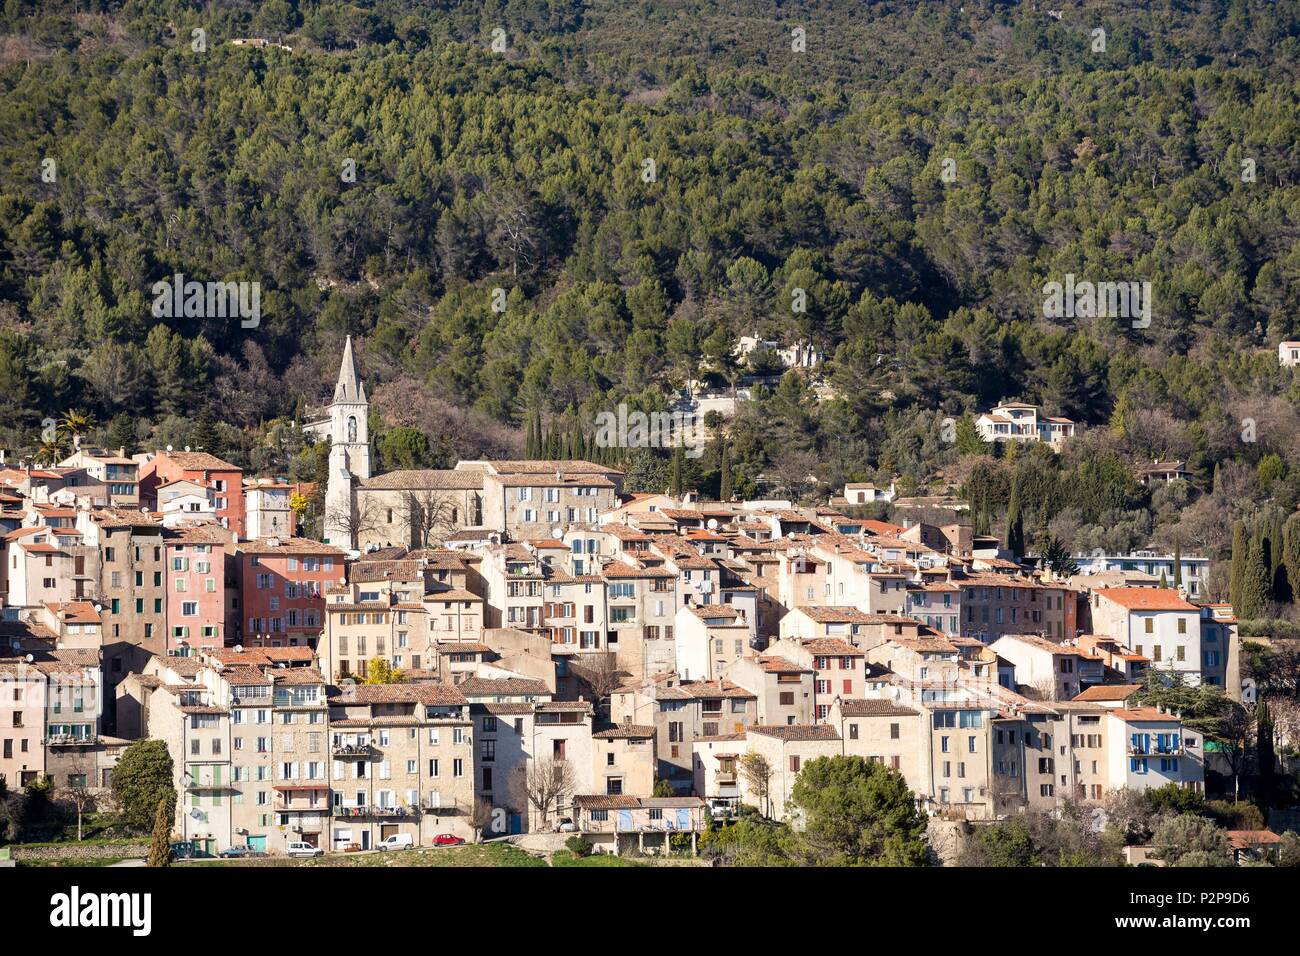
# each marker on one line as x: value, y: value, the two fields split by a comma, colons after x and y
x: 565, y: 826
x: 398, y: 841
x: 304, y: 850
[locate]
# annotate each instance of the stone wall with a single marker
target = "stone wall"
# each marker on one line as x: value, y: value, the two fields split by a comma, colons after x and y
x: 79, y: 851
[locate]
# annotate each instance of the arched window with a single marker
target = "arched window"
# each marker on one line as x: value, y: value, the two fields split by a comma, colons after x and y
x: 352, y: 429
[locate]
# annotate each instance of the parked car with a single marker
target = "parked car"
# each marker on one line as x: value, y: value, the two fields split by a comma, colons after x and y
x: 304, y: 850
x: 446, y: 839
x: 183, y: 850
x: 721, y: 808
x: 565, y: 825
x: 398, y: 841
x: 238, y: 852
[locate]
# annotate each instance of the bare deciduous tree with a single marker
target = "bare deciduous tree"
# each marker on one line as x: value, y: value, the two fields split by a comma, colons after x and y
x: 429, y: 516
x: 546, y: 785
x: 78, y: 792
x: 481, y: 817
x: 600, y: 672
x: 356, y: 521
x: 757, y: 771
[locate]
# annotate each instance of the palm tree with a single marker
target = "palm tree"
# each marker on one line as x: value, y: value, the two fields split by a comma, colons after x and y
x: 75, y: 423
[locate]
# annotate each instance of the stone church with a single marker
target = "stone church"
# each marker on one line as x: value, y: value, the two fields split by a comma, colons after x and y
x: 424, y: 507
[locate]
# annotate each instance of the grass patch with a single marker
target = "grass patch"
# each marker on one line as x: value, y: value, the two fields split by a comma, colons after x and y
x: 486, y: 855
x: 565, y: 858
x: 78, y: 861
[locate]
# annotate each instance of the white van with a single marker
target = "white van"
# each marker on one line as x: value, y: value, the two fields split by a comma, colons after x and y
x: 304, y: 849
x: 398, y: 841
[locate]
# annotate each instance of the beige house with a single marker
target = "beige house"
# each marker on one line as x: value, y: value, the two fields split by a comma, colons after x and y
x: 624, y: 760
x: 651, y: 825
x: 883, y: 731
x: 402, y: 761
x: 785, y: 750
x: 710, y: 638
x: 784, y: 689
x: 680, y: 711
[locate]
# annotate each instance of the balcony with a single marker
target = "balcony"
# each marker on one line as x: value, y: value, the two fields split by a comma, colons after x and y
x: 70, y: 740
x: 1139, y: 751
x: 375, y: 812
x: 352, y: 750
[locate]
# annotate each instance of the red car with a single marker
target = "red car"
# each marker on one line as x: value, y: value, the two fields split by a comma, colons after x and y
x: 446, y: 839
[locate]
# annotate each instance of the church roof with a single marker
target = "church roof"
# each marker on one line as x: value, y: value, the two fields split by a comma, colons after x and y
x: 422, y: 479
x: 349, y: 387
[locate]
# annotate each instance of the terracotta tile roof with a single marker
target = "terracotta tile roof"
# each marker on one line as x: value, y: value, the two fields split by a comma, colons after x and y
x: 423, y: 692
x: 831, y: 647
x: 297, y: 675
x: 198, y: 461
x: 792, y: 732
x: 1146, y: 599
x: 834, y: 614
x: 780, y: 665
x: 1109, y: 692
x: 874, y: 707
x: 1144, y: 714
x: 425, y: 479
x: 289, y: 546
x: 625, y: 731
x: 502, y: 687
x: 1248, y: 839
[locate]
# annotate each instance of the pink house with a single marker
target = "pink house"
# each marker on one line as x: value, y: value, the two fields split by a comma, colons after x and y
x: 196, y: 586
x: 282, y: 590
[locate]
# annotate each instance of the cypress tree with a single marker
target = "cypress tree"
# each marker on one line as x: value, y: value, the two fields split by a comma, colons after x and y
x: 1239, y: 549
x: 676, y: 479
x: 1254, y: 581
x: 1264, y: 752
x: 724, y: 489
x: 1015, y: 537
x: 160, y: 847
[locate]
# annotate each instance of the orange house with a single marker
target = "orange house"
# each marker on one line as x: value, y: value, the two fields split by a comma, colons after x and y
x: 224, y: 480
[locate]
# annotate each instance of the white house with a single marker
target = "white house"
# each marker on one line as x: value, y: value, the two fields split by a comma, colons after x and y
x: 1149, y: 749
x: 1156, y: 622
x: 1288, y: 354
x: 1195, y: 569
x: 1017, y: 421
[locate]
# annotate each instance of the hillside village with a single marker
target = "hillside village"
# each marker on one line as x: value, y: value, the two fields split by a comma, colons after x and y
x: 516, y: 647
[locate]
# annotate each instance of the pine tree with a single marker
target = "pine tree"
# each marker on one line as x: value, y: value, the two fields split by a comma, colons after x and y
x: 204, y: 436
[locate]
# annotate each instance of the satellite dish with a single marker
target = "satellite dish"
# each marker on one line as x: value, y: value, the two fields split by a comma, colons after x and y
x: 712, y: 524
x: 556, y: 531
x: 30, y: 658
x: 239, y: 648
x: 169, y: 447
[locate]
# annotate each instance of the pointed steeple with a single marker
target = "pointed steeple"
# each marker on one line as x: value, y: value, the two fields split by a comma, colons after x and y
x: 349, y: 387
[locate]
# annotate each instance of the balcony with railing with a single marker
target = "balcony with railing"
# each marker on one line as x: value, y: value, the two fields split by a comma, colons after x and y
x: 302, y: 798
x: 375, y: 812
x: 352, y: 750
x: 71, y: 740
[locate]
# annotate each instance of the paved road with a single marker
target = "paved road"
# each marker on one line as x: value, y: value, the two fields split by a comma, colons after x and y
x: 128, y: 863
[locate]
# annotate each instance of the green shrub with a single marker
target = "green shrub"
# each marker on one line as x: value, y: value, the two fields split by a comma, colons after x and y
x: 578, y: 846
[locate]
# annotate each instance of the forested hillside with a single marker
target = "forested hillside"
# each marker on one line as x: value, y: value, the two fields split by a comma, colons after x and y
x: 773, y: 171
